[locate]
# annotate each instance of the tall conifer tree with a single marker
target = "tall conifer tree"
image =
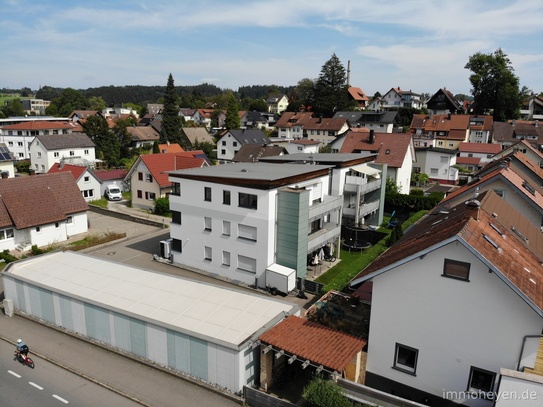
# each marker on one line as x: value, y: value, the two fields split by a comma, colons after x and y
x: 171, y: 122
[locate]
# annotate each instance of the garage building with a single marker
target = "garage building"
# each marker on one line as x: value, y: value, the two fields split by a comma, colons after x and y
x: 199, y: 329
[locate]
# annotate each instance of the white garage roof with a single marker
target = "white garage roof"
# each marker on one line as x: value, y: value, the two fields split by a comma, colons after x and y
x: 216, y: 314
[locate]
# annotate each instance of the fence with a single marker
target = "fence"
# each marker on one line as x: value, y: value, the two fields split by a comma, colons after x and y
x: 257, y: 398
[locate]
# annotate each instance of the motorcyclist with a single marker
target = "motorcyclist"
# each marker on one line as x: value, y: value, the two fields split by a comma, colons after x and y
x: 22, y: 348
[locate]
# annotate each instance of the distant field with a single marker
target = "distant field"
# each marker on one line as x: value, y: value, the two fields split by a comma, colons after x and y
x: 4, y: 98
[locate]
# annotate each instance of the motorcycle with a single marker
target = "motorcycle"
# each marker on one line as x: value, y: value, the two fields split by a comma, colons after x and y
x: 25, y: 360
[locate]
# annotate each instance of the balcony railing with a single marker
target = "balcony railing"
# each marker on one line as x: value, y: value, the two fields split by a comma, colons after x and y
x: 352, y: 183
x: 330, y: 231
x: 330, y: 204
x: 363, y: 209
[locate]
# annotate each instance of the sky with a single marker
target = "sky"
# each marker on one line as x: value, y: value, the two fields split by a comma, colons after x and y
x: 418, y: 45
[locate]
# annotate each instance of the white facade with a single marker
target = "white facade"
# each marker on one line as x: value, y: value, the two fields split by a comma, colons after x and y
x: 402, y: 175
x: 227, y: 147
x: 42, y: 159
x: 295, y: 147
x: 438, y: 165
x: 238, y: 231
x: 90, y: 186
x: 144, y: 187
x: 453, y: 325
x: 202, y: 330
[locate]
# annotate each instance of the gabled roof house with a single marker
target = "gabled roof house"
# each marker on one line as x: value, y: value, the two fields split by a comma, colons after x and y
x: 148, y: 176
x: 87, y: 182
x: 230, y: 142
x: 40, y: 210
x: 444, y: 102
x: 470, y: 287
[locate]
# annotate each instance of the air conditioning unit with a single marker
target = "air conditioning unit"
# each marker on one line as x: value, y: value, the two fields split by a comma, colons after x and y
x: 166, y: 248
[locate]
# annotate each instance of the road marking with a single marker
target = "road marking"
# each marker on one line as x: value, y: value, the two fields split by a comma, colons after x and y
x: 14, y: 374
x: 35, y: 385
x: 60, y: 399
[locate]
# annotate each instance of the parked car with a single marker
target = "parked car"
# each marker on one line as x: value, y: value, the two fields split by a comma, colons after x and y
x: 113, y: 193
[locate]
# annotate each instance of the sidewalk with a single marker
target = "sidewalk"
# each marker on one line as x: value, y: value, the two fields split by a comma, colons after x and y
x: 129, y: 377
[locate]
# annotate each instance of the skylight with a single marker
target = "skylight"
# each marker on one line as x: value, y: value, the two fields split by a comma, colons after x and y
x: 493, y: 226
x: 517, y: 232
x: 492, y: 242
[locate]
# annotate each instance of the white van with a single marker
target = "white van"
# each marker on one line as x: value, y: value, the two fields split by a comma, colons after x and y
x: 113, y: 193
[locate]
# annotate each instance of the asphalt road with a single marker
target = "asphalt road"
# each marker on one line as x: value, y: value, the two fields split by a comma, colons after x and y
x: 48, y: 385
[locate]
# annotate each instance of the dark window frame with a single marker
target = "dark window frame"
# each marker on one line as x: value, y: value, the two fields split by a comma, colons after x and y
x: 226, y: 197
x: 176, y: 217
x: 449, y: 266
x: 248, y: 201
x: 207, y: 194
x: 403, y: 367
x: 481, y: 392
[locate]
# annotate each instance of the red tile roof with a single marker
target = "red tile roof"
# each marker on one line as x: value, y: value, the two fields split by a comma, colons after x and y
x: 468, y: 160
x: 110, y: 174
x: 170, y: 148
x: 58, y: 196
x: 510, y: 258
x: 39, y: 125
x: 75, y: 170
x: 314, y: 342
x: 159, y: 164
x: 483, y: 148
x: 391, y: 148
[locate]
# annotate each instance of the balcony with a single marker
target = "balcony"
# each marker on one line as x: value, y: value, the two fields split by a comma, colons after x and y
x: 330, y: 204
x: 330, y: 231
x: 363, y: 209
x: 352, y: 184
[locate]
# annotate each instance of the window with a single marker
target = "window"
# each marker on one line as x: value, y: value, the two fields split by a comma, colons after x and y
x: 405, y: 359
x: 246, y: 264
x: 140, y: 193
x: 434, y: 171
x: 6, y: 234
x: 38, y: 229
x: 10, y: 144
x: 247, y: 201
x: 57, y: 225
x: 140, y: 176
x: 226, y: 197
x: 314, y: 226
x: 69, y: 219
x: 19, y: 143
x: 226, y: 258
x: 500, y: 192
x: 207, y: 224
x: 88, y: 193
x: 21, y: 155
x: 247, y: 232
x: 43, y: 167
x: 86, y: 152
x: 148, y: 178
x: 235, y: 143
x: 456, y: 269
x: 207, y: 253
x: 56, y: 154
x: 444, y: 159
x: 207, y: 194
x: 176, y: 217
x: 177, y: 245
x: 481, y: 381
x: 223, y: 151
x: 176, y: 189
x: 72, y: 153
x: 226, y: 228
x: 150, y: 196
x: 86, y: 178
x: 39, y: 154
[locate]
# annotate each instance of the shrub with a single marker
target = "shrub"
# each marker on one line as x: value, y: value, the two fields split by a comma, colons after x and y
x: 325, y: 393
x: 162, y: 207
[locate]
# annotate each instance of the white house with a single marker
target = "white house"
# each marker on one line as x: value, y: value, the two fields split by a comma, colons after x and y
x: 45, y: 150
x: 300, y: 146
x: 148, y: 176
x: 231, y: 141
x: 238, y: 220
x: 454, y: 301
x: 277, y: 104
x: 87, y: 182
x: 7, y: 169
x: 40, y: 210
x: 475, y: 155
x: 18, y: 136
x: 438, y: 164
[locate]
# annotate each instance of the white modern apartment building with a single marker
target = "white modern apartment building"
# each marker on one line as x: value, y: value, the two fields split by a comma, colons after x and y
x: 240, y: 219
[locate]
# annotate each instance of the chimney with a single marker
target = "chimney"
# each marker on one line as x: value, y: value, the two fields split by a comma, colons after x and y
x: 449, y: 116
x: 472, y: 208
x: 31, y: 171
x: 5, y: 174
x: 536, y: 123
x: 513, y: 123
x: 372, y: 137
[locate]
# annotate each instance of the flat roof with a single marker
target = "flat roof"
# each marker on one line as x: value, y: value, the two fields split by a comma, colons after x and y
x: 251, y: 171
x: 216, y: 314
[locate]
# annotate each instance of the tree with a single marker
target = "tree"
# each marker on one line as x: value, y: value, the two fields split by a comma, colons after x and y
x: 107, y: 144
x: 68, y: 101
x: 171, y: 124
x: 331, y: 92
x: 13, y: 108
x: 495, y: 87
x: 303, y: 96
x: 97, y: 103
x: 156, y: 147
x: 232, y: 121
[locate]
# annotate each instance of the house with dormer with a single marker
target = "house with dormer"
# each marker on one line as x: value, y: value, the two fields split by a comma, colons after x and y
x: 396, y: 150
x: 469, y: 281
x: 474, y: 156
x: 381, y: 121
x: 231, y: 141
x: 22, y: 224
x: 291, y: 124
x: 443, y: 131
x: 359, y: 97
x: 143, y: 136
x: 73, y: 148
x: 511, y: 132
x: 87, y: 182
x: 148, y: 176
x: 480, y: 128
x: 526, y: 148
x: 254, y: 120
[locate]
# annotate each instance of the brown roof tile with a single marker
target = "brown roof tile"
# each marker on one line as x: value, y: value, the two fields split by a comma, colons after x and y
x: 39, y: 199
x: 391, y: 148
x: 314, y: 342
